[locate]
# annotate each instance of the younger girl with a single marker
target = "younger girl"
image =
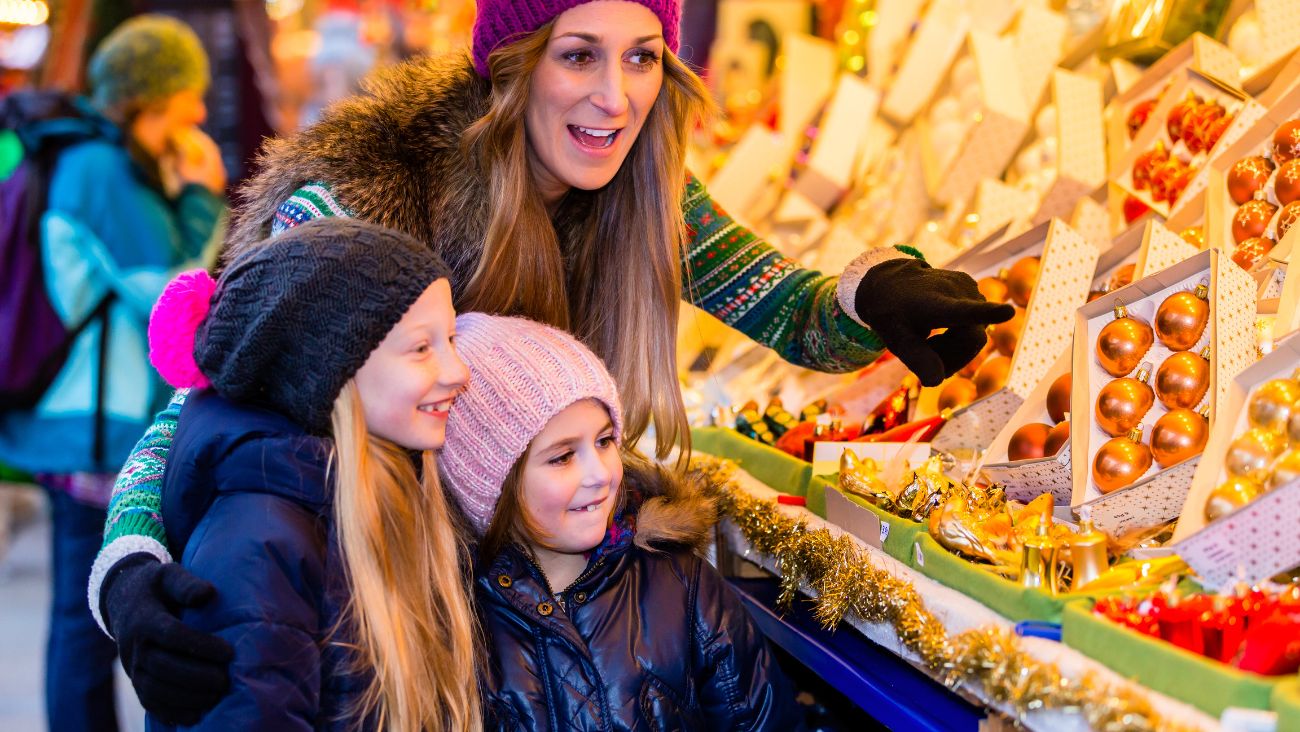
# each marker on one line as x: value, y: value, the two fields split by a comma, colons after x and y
x: 291, y: 483
x: 599, y: 615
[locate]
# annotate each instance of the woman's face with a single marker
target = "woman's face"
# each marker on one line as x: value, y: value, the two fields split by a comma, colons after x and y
x: 571, y: 477
x: 182, y: 110
x: 408, y: 383
x: 591, y: 93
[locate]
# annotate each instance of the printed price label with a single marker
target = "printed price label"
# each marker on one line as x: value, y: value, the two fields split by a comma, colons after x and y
x: 920, y: 557
x: 884, y: 531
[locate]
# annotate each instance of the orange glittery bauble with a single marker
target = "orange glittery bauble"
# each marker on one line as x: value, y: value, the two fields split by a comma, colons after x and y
x: 1175, y: 123
x: 1228, y: 497
x: 1164, y: 180
x: 957, y: 393
x: 1197, y: 126
x: 1250, y: 253
x: 1122, y: 344
x: 1058, y: 397
x: 1006, y: 336
x: 1139, y: 115
x: 1028, y: 442
x: 1122, y: 404
x: 1181, y: 319
x: 1178, y: 435
x: 1286, y: 141
x: 1182, y: 380
x: 993, y: 289
x: 1056, y: 438
x: 1145, y: 165
x: 969, y: 369
x: 1123, y: 276
x: 1021, y: 279
x: 1119, y: 463
x: 1286, y: 186
x: 1287, y: 217
x: 992, y: 375
x: 1194, y: 235
x: 1247, y: 176
x: 1251, y: 220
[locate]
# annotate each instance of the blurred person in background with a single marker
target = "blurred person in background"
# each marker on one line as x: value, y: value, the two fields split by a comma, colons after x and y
x: 124, y: 210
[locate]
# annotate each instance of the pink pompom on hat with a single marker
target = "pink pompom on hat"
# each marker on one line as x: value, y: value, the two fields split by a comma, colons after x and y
x: 522, y: 374
x: 503, y: 21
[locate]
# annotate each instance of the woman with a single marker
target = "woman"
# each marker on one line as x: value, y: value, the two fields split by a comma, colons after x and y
x: 140, y: 198
x: 548, y: 173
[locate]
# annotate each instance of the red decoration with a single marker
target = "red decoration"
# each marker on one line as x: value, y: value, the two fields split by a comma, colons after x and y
x: 1251, y: 252
x: 1286, y: 141
x: 1146, y: 164
x: 1196, y: 127
x: 1174, y: 123
x: 1138, y: 116
x: 1247, y: 176
x: 1134, y: 209
x: 921, y: 430
x: 1251, y: 220
x: 1287, y: 218
x: 1287, y: 185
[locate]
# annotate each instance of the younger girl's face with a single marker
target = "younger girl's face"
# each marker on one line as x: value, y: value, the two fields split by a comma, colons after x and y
x: 571, y: 478
x: 408, y: 383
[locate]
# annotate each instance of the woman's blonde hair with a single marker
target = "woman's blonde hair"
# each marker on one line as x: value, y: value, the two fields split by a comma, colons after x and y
x: 624, y: 272
x: 410, y: 591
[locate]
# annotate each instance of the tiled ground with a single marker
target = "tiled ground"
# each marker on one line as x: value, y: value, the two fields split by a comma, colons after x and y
x: 24, y: 604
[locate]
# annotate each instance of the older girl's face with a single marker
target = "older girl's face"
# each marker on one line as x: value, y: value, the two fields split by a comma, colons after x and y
x: 591, y: 94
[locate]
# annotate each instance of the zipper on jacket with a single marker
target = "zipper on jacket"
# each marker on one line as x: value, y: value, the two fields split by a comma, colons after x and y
x: 546, y: 582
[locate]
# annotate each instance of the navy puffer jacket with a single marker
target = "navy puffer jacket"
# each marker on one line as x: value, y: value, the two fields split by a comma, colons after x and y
x: 649, y: 637
x: 247, y: 501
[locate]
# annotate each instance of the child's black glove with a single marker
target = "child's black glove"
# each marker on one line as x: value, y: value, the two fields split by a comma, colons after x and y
x: 178, y: 673
x: 904, y: 299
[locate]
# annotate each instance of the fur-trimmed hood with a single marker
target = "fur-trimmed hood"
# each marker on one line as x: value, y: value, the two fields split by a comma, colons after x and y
x: 675, y: 509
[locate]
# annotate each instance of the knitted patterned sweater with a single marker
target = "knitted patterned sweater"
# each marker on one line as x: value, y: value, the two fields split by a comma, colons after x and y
x: 728, y: 271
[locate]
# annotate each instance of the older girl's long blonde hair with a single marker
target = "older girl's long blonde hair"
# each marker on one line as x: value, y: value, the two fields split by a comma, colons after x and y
x: 623, y: 275
x: 410, y: 592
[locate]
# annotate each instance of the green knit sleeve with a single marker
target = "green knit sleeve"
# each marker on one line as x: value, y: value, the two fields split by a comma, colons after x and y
x: 731, y: 273
x: 313, y: 200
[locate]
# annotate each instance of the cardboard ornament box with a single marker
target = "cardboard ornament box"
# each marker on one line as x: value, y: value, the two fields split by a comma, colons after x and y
x: 1158, y: 495
x: 1067, y: 262
x: 1079, y: 130
x: 1261, y: 538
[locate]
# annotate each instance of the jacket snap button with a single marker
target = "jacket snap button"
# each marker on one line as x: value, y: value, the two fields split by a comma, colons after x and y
x: 580, y: 597
x: 545, y: 608
x: 504, y: 580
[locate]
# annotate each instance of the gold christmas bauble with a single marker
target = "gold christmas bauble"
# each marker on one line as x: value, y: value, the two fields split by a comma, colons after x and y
x: 993, y: 289
x: 970, y: 368
x: 1250, y: 455
x: 1021, y: 279
x: 957, y: 393
x: 1270, y: 406
x: 1182, y: 380
x: 992, y: 375
x: 1122, y: 404
x: 1120, y: 462
x: 1284, y: 470
x: 1178, y: 435
x: 1006, y: 336
x: 1181, y: 319
x: 1233, y: 494
x: 1122, y: 343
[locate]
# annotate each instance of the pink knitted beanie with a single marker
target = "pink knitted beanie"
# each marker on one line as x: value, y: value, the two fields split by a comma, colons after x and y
x: 502, y: 21
x: 522, y: 374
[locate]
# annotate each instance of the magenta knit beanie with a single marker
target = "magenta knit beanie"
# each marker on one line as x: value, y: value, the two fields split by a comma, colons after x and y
x: 522, y: 374
x: 501, y: 21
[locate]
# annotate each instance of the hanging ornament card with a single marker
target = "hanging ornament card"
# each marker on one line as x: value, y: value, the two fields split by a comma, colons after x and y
x: 1039, y: 36
x: 1241, y: 519
x: 1152, y: 362
x: 1048, y: 269
x: 1037, y: 422
x: 839, y: 140
x: 1074, y: 120
x: 934, y: 47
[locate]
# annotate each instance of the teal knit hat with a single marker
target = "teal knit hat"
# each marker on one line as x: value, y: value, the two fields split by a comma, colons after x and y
x: 147, y: 58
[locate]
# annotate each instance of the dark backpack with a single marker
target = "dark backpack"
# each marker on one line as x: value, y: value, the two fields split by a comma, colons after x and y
x: 34, y: 342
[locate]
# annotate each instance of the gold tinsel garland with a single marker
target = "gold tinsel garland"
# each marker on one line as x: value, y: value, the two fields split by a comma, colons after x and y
x: 846, y: 584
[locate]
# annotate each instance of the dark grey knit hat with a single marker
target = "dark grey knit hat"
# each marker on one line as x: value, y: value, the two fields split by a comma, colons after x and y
x: 298, y: 315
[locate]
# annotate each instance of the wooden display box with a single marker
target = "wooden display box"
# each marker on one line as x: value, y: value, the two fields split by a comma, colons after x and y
x: 1158, y: 496
x: 1262, y: 538
x: 1081, y: 144
x: 993, y: 133
x: 1067, y: 263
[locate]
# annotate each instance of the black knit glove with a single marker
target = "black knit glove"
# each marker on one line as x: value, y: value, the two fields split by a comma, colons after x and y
x: 178, y: 672
x: 903, y: 300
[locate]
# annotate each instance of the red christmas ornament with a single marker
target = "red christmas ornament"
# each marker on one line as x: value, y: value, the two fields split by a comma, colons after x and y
x: 1134, y: 209
x: 1139, y: 115
x: 1028, y: 442
x: 1287, y: 185
x: 1164, y: 180
x: 1251, y: 220
x: 1175, y: 122
x: 1251, y: 252
x: 921, y: 430
x: 1287, y: 218
x: 1286, y: 141
x: 1196, y: 127
x: 1216, y: 129
x: 1146, y: 164
x: 1056, y: 438
x: 1247, y: 176
x: 1058, y: 397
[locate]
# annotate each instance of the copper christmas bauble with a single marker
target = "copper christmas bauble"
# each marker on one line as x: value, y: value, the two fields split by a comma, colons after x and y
x: 993, y: 289
x: 1178, y: 435
x: 1120, y: 462
x: 1286, y: 141
x: 1058, y: 397
x: 1177, y: 117
x: 1287, y: 217
x: 1247, y: 176
x: 1123, y: 276
x: 1284, y: 470
x: 1057, y: 438
x: 1286, y: 186
x: 1250, y: 254
x: 1181, y: 318
x: 1122, y: 343
x: 957, y: 393
x: 1250, y: 454
x: 1006, y: 335
x: 1122, y: 404
x: 969, y: 369
x: 1194, y: 235
x: 1251, y: 220
x: 1182, y: 380
x: 992, y: 375
x: 1139, y: 115
x: 1021, y: 279
x: 1270, y: 405
x: 1027, y: 443
x: 1230, y: 496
